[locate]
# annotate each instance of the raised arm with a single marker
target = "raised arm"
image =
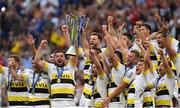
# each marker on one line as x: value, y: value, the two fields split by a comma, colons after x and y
x: 97, y: 63
x: 147, y: 61
x: 110, y: 26
x: 139, y: 43
x: 74, y: 59
x: 165, y: 62
x: 84, y: 43
x: 124, y: 48
x: 105, y: 64
x: 66, y: 35
x: 31, y: 42
x: 111, y: 53
x: 37, y: 58
x: 170, y: 50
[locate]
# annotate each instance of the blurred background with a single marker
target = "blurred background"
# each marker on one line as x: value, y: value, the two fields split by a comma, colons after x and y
x: 42, y: 18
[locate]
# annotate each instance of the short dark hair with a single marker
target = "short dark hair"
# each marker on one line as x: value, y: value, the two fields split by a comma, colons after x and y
x: 128, y: 35
x: 97, y: 34
x: 16, y: 57
x: 61, y: 51
x: 147, y: 26
x: 136, y: 53
x: 162, y: 33
x: 120, y: 55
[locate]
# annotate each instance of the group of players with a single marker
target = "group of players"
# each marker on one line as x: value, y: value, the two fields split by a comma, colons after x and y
x: 124, y: 73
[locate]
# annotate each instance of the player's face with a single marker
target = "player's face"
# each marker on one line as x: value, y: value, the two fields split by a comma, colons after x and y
x: 139, y: 68
x: 94, y: 41
x: 51, y: 58
x: 159, y: 40
x: 11, y: 62
x: 131, y: 58
x: 59, y: 59
x: 144, y: 30
x: 161, y: 69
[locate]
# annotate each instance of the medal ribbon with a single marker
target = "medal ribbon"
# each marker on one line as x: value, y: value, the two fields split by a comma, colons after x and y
x: 35, y: 80
x: 60, y: 72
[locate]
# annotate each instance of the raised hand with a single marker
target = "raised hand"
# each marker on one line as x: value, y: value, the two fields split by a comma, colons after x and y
x: 43, y: 44
x: 157, y: 16
x: 120, y: 28
x: 64, y: 28
x: 30, y: 39
x: 110, y: 19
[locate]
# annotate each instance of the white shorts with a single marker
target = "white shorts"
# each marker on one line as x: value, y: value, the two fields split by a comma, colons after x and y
x: 18, y: 107
x: 39, y: 106
x: 116, y: 105
x: 62, y: 104
x: 85, y: 102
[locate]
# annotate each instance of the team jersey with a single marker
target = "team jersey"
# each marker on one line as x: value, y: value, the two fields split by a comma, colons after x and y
x: 118, y: 74
x: 148, y: 95
x: 100, y: 91
x: 164, y: 87
x: 176, y: 62
x: 88, y: 89
x: 129, y: 76
x: 138, y: 96
x: 89, y: 81
x: 62, y: 81
x: 17, y: 90
x: 134, y: 93
x: 2, y: 85
x: 39, y: 89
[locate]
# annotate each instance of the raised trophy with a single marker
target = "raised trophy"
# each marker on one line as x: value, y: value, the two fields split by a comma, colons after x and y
x: 76, y: 25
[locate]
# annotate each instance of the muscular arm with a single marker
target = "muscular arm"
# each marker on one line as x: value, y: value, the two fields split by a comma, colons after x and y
x: 167, y: 43
x: 66, y: 35
x: 116, y: 92
x: 147, y: 61
x: 85, y: 44
x: 37, y: 58
x: 100, y: 70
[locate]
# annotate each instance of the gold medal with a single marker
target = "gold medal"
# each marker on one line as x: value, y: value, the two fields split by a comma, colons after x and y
x: 32, y: 91
x: 58, y: 80
x: 90, y: 82
x: 9, y: 89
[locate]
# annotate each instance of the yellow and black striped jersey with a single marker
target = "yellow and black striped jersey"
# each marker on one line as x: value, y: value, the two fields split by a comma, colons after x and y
x: 62, y: 88
x: 39, y: 91
x: 17, y: 90
x: 164, y: 89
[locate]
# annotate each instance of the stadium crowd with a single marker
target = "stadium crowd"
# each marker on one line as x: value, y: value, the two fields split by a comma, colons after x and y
x: 128, y: 55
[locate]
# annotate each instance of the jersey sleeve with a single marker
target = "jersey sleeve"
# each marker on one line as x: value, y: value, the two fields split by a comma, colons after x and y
x: 2, y: 69
x: 176, y: 61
